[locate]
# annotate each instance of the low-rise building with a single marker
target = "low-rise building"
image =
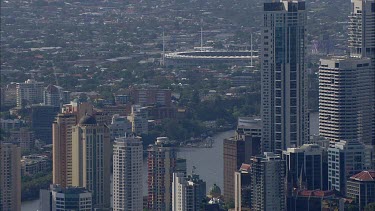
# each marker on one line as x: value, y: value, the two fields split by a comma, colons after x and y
x: 361, y: 187
x: 34, y: 164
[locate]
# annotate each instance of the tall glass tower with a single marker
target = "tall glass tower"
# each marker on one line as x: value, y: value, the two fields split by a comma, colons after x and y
x: 284, y: 77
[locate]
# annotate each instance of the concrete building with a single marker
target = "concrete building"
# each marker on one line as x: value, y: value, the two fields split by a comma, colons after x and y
x: 361, y: 187
x: 346, y: 99
x: 34, y: 164
x: 237, y: 150
x: 119, y: 126
x: 127, y: 174
x: 91, y: 160
x: 187, y: 192
x: 29, y: 92
x: 10, y: 177
x: 62, y: 141
x: 284, y: 76
x: 11, y: 124
x: 346, y: 158
x: 362, y: 29
x: 305, y: 163
x: 24, y: 137
x: 267, y: 181
x: 242, y: 189
x: 139, y: 119
x: 161, y: 162
x: 152, y: 96
x: 10, y: 95
x: 42, y: 117
x: 65, y: 199
x: 55, y: 96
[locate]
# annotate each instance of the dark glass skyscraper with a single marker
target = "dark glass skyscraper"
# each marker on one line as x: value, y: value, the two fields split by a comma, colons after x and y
x: 284, y: 78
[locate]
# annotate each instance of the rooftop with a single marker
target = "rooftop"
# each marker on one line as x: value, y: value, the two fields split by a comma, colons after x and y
x: 364, y: 176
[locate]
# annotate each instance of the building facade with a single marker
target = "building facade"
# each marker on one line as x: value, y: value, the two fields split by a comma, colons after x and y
x: 10, y: 177
x: 187, y: 192
x: 284, y: 76
x: 346, y: 99
x: 29, y: 92
x: 161, y: 162
x: 91, y: 160
x: 237, y: 150
x: 65, y: 199
x: 127, y: 174
x: 305, y: 163
x: 346, y: 158
x: 267, y: 182
x: 361, y: 187
x: 242, y: 190
x: 42, y: 117
x: 62, y: 141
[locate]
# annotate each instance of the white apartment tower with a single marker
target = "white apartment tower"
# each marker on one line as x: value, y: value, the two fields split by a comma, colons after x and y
x: 284, y: 77
x: 345, y: 99
x: 29, y: 92
x: 127, y: 174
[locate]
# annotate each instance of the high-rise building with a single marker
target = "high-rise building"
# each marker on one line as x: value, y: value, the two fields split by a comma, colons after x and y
x: 65, y: 199
x: 161, y: 162
x: 55, y: 96
x: 62, y: 141
x: 119, y: 126
x: 361, y: 187
x: 29, y: 92
x: 305, y: 163
x: 187, y: 192
x: 362, y: 29
x: 284, y: 77
x: 91, y: 160
x: 242, y: 190
x: 24, y: 136
x: 267, y: 182
x: 127, y: 174
x: 346, y: 158
x: 362, y: 40
x: 346, y: 98
x: 139, y: 119
x: 236, y: 151
x: 10, y: 177
x: 42, y: 117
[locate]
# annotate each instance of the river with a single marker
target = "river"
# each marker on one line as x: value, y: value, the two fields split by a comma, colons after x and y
x: 208, y: 163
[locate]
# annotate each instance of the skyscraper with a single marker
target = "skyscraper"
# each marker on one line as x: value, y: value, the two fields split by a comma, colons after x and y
x: 236, y: 150
x: 284, y: 77
x: 91, y: 157
x: 187, y: 192
x: 10, y: 177
x: 62, y: 141
x: 362, y: 29
x: 161, y: 162
x: 362, y: 40
x: 42, y: 117
x: 242, y: 196
x: 267, y: 183
x: 305, y: 163
x: 346, y: 98
x: 127, y: 174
